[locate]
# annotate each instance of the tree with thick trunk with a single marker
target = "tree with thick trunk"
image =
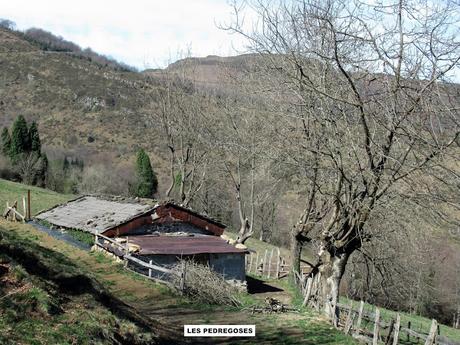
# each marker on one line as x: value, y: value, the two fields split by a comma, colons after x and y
x: 362, y: 101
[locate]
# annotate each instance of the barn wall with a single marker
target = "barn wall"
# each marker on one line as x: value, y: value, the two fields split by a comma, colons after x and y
x: 170, y: 213
x: 129, y: 226
x: 169, y: 228
x: 166, y: 261
x: 231, y: 266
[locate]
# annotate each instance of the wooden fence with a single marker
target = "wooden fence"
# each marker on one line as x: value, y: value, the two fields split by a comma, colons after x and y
x: 270, y: 264
x: 370, y: 327
x: 148, y: 270
x: 12, y: 213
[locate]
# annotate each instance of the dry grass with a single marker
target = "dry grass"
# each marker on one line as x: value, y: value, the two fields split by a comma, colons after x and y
x: 203, y: 285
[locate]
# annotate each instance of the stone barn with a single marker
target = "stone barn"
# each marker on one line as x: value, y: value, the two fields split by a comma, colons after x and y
x: 160, y: 233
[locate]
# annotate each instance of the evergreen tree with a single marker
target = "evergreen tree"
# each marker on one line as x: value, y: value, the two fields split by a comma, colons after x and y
x: 147, y: 182
x: 65, y: 165
x: 6, y: 142
x: 20, y: 142
x: 34, y: 138
x: 42, y: 173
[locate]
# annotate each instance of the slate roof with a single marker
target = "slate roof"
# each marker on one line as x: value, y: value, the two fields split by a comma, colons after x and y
x: 95, y: 214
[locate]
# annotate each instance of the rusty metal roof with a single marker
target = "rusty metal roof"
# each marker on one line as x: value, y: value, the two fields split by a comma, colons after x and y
x: 182, y: 245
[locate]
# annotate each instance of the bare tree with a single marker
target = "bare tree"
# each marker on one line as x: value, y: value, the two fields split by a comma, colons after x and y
x: 366, y: 103
x: 180, y: 123
x: 27, y: 166
x: 233, y: 139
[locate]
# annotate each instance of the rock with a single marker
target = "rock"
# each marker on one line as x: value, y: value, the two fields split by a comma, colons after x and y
x: 240, y: 246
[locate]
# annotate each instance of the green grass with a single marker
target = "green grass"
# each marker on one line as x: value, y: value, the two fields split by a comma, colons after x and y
x: 418, y: 323
x: 84, y: 237
x: 41, y: 199
x: 297, y: 328
x: 36, y: 309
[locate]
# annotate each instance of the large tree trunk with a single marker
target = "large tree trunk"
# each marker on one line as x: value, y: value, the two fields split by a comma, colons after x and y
x: 332, y: 269
x: 296, y: 251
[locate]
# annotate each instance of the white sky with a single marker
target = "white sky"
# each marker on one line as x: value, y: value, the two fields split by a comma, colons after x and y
x: 141, y: 33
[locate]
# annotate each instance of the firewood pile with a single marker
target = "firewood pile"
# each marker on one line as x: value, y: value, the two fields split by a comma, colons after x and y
x: 272, y: 305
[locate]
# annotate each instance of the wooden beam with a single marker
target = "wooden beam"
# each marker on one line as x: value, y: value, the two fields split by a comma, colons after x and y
x: 308, y: 292
x: 430, y: 340
x: 397, y: 327
x: 29, y: 211
x: 375, y: 339
x: 348, y: 321
x: 360, y: 317
x: 278, y: 263
x: 270, y: 263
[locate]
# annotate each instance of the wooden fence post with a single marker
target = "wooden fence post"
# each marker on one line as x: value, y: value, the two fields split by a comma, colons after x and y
x: 24, y: 208
x: 248, y: 269
x: 408, y: 327
x: 270, y: 264
x: 29, y: 211
x: 257, y: 264
x: 264, y: 264
x: 182, y: 277
x: 150, y: 269
x: 308, y: 292
x: 432, y: 335
x: 375, y: 339
x: 397, y: 327
x: 348, y: 321
x: 278, y: 263
x: 360, y: 317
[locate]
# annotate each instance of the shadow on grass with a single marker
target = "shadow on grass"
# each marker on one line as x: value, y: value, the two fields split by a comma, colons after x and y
x: 258, y: 286
x: 69, y: 279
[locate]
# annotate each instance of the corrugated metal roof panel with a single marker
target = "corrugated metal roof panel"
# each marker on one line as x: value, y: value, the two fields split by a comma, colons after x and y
x: 182, y: 245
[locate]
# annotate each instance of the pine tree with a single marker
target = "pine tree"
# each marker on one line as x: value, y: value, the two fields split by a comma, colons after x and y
x: 34, y: 138
x: 6, y: 142
x: 20, y: 142
x: 42, y: 173
x: 147, y: 182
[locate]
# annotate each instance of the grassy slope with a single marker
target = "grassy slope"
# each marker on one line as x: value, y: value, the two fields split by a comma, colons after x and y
x: 41, y: 199
x: 419, y: 323
x: 149, y: 297
x: 160, y: 304
x: 41, y: 303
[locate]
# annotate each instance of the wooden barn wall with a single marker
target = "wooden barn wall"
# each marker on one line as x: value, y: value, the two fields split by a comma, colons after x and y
x: 170, y: 214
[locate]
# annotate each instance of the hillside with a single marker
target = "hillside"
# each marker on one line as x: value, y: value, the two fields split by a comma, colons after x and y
x: 41, y: 199
x: 80, y: 106
x: 46, y: 298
